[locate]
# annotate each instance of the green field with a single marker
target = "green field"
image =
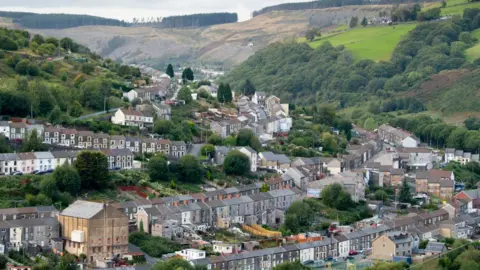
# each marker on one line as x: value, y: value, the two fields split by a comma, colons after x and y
x: 374, y: 42
x: 474, y: 52
x: 458, y: 7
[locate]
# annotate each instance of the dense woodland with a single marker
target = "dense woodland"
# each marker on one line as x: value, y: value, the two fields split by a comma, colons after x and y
x: 326, y: 4
x: 58, y: 21
x: 33, y: 83
x: 297, y: 73
x: 61, y: 21
x: 198, y: 20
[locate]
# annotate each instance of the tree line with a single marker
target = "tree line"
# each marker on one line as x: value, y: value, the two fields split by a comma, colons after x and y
x: 61, y: 21
x: 198, y: 20
x: 331, y: 73
x: 437, y: 133
x: 58, y: 21
x: 324, y: 4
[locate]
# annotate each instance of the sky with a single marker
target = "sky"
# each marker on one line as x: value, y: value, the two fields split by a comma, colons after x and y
x: 128, y: 9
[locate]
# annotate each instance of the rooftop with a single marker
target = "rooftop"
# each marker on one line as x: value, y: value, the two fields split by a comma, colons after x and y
x: 83, y: 209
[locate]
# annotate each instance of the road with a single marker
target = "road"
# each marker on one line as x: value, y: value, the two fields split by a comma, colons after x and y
x: 150, y: 260
x: 96, y: 114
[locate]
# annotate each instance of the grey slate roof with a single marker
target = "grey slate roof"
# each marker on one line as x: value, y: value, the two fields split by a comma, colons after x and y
x: 435, y: 247
x: 64, y: 154
x: 8, y: 157
x: 44, y: 155
x: 83, y: 209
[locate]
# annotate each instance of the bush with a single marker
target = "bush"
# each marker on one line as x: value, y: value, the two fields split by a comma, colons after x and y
x: 152, y: 245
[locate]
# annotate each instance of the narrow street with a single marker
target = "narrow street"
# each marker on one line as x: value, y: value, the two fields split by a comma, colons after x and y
x: 150, y: 260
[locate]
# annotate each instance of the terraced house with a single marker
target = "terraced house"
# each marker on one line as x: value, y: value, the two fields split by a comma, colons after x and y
x: 436, y: 182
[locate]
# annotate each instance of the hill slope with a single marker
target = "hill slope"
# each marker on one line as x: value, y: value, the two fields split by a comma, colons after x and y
x: 39, y: 78
x: 227, y: 43
x: 300, y: 74
x: 373, y: 42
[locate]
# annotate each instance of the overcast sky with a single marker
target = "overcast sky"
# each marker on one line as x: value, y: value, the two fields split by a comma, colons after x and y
x: 127, y: 9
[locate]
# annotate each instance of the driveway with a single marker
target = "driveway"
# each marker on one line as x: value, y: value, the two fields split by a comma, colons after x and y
x: 150, y: 260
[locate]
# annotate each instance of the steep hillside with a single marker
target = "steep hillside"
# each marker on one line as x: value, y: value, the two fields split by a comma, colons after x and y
x: 373, y: 42
x: 300, y: 74
x: 227, y: 44
x: 451, y: 91
x: 38, y: 77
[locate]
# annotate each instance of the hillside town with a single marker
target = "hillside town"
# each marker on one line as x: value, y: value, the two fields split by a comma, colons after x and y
x: 305, y: 156
x: 387, y: 158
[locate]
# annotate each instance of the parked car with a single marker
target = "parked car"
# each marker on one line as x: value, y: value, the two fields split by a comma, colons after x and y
x: 352, y: 253
x: 17, y: 173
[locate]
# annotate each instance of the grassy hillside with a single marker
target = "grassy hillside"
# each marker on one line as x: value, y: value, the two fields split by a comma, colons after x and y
x: 455, y: 7
x: 39, y: 77
x: 474, y: 52
x: 424, y: 72
x: 374, y: 42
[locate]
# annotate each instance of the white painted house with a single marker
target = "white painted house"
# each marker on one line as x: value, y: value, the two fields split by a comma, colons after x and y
x: 5, y: 128
x: 252, y: 156
x: 410, y: 142
x: 129, y: 117
x: 307, y: 252
x: 9, y: 163
x: 44, y: 161
x: 191, y: 254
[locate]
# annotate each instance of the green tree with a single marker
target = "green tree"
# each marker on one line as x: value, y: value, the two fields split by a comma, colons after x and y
x: 370, y: 124
x: 246, y: 137
x: 353, y: 22
x: 38, y: 39
x: 190, y: 169
x: 224, y: 93
x: 310, y: 34
x: 187, y: 75
x: 48, y: 67
x: 55, y: 116
x: 364, y: 22
x: 170, y: 71
x: 388, y: 266
x: 176, y: 264
x: 66, y: 43
x: 173, y: 185
x: 53, y: 41
x: 264, y: 187
x: 92, y: 167
x: 236, y: 163
x: 296, y: 265
x: 334, y: 196
x: 22, y: 67
x: 3, y: 262
x: 299, y: 217
x: 141, y: 226
x: 75, y: 109
x: 248, y: 88
x: 230, y: 141
x: 32, y: 142
x: 158, y: 168
x: 8, y: 44
x: 67, y: 179
x: 87, y: 68
x: 405, y: 195
x: 207, y: 150
x: 48, y: 186
x: 214, y: 139
x: 381, y: 195
x: 4, y: 147
x: 185, y: 94
x: 162, y: 127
